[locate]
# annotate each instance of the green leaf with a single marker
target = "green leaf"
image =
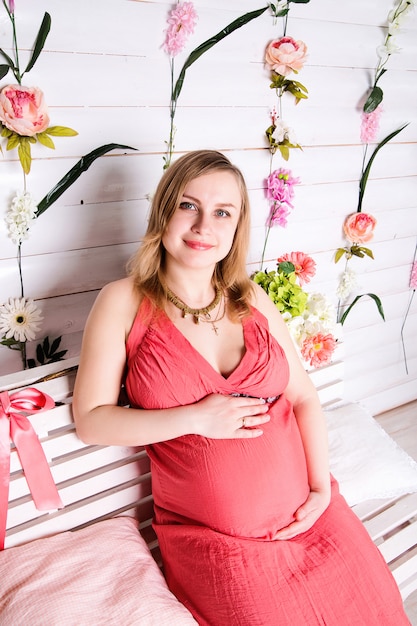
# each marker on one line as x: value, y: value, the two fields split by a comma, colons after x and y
x: 55, y: 344
x: 350, y: 307
x: 339, y: 253
x: 286, y: 267
x: 40, y: 354
x: 285, y: 153
x: 25, y: 156
x: 5, y: 132
x: 3, y: 70
x: 61, y: 131
x: 368, y: 252
x: 374, y: 100
x: 206, y: 45
x: 40, y: 41
x: 364, y: 177
x: 74, y: 173
x: 13, y: 141
x: 45, y: 140
x: 8, y: 59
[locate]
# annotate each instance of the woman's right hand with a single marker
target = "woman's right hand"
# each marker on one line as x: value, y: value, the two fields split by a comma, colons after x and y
x: 230, y: 417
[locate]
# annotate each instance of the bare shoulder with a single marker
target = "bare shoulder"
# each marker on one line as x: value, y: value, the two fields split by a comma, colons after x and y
x: 264, y: 304
x: 117, y: 303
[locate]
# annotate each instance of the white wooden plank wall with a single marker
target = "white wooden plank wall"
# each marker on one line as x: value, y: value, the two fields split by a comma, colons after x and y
x: 104, y: 73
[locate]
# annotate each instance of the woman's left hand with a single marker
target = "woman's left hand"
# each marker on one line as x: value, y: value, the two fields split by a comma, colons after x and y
x: 308, y: 513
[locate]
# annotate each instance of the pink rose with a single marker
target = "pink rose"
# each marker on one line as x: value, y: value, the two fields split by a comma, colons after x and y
x: 23, y: 110
x: 359, y: 227
x: 285, y: 55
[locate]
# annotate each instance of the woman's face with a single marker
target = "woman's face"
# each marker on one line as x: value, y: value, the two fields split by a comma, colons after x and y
x: 201, y: 230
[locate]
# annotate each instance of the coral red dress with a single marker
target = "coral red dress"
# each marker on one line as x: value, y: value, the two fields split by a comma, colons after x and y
x: 219, y: 502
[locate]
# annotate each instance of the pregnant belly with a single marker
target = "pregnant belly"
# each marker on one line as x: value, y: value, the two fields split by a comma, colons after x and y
x: 241, y: 487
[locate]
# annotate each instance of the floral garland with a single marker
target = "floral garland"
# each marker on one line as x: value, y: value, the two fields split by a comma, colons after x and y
x: 24, y: 120
x: 359, y: 227
x: 310, y: 317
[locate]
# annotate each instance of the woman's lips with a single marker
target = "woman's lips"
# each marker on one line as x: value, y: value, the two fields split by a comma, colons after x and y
x: 198, y: 245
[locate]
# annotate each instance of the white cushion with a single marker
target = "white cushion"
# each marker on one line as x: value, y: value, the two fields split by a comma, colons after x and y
x: 365, y: 460
x: 102, y: 574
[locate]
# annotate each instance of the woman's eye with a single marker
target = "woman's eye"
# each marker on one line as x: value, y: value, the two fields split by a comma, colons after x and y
x: 222, y: 213
x: 187, y: 205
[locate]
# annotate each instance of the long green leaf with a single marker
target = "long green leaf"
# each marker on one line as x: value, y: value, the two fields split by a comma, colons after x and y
x: 74, y: 173
x: 206, y: 45
x: 371, y: 295
x: 3, y: 70
x: 364, y: 178
x: 40, y: 41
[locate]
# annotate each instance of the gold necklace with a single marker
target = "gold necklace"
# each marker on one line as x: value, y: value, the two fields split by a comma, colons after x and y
x: 197, y: 314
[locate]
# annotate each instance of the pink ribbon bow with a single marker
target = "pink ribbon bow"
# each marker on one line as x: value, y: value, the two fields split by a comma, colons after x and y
x: 14, y: 425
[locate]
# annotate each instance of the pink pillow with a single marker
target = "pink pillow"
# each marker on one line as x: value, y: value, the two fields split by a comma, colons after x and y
x: 102, y: 574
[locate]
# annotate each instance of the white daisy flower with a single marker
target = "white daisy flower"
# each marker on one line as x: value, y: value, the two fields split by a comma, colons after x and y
x: 20, y: 216
x: 19, y: 319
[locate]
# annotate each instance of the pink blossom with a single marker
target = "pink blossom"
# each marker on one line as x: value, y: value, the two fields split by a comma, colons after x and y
x: 359, y: 227
x: 318, y: 349
x: 413, y: 277
x: 11, y: 6
x: 370, y: 125
x: 181, y: 23
x: 280, y: 191
x: 23, y: 110
x: 285, y: 55
x: 280, y: 186
x: 278, y: 215
x: 305, y: 266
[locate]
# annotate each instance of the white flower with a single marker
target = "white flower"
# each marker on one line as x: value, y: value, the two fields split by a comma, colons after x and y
x: 348, y: 282
x: 283, y: 132
x: 19, y: 217
x: 19, y: 319
x: 321, y: 312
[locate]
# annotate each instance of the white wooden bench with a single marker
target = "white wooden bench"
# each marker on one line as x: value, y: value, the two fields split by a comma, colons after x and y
x: 98, y: 482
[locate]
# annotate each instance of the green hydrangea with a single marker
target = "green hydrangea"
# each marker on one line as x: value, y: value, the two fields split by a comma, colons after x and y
x: 283, y: 290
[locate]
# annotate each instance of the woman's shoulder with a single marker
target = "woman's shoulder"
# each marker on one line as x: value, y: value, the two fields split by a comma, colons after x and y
x: 117, y: 302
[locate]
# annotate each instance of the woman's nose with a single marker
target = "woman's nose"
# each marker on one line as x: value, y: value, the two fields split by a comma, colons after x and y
x: 201, y: 223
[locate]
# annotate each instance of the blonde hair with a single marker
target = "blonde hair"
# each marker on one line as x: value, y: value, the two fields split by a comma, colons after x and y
x: 147, y: 266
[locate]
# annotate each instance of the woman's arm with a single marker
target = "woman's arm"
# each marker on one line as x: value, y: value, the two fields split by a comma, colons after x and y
x: 97, y: 417
x: 310, y: 419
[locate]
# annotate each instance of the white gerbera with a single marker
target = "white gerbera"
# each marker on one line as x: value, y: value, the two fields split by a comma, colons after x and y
x: 20, y: 216
x: 19, y: 319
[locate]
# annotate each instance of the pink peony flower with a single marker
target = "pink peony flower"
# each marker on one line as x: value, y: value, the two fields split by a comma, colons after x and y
x: 285, y: 55
x: 318, y: 349
x: 413, y: 277
x: 181, y: 23
x: 305, y: 266
x: 359, y: 227
x: 23, y: 110
x: 370, y: 125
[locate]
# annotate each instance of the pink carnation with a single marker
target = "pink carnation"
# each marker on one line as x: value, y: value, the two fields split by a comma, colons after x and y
x: 318, y: 349
x: 181, y: 24
x: 305, y: 266
x: 413, y: 277
x: 370, y: 125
